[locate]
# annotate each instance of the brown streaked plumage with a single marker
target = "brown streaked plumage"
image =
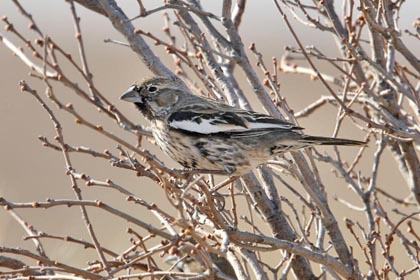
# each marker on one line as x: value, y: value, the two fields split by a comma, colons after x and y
x: 213, y: 137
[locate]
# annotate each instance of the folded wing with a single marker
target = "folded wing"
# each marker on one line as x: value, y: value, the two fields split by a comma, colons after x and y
x: 212, y: 121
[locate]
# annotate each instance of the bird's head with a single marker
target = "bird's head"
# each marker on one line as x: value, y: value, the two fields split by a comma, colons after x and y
x: 155, y: 96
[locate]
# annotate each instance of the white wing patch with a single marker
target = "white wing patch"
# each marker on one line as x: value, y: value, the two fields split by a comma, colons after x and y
x: 258, y: 125
x: 209, y: 127
x: 205, y: 127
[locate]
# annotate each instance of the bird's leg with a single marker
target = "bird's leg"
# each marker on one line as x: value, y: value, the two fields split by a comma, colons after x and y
x: 188, y: 175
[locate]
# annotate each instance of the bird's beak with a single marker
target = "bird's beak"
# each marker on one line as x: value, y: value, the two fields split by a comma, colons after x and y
x: 131, y: 95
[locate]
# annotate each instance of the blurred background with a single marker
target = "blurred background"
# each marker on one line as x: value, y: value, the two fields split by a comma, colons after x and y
x: 31, y: 172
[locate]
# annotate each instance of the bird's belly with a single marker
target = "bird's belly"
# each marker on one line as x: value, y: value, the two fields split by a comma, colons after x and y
x: 208, y: 153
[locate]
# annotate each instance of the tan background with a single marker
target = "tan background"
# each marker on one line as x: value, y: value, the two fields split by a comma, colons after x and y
x: 30, y: 172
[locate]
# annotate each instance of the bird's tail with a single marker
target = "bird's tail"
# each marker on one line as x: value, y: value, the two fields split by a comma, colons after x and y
x: 318, y: 140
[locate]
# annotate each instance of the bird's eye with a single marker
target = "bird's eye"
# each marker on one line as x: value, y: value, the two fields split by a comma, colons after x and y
x: 152, y: 89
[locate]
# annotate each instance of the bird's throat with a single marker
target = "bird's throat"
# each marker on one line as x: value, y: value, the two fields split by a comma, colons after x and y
x: 142, y: 107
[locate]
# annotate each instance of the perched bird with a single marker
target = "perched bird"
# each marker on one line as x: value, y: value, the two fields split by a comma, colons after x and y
x: 212, y: 137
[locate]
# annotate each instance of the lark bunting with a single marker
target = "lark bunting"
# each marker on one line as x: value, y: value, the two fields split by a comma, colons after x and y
x: 212, y: 137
